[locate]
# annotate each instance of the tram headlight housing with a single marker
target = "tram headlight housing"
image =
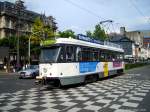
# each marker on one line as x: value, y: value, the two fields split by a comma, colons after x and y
x: 44, y: 70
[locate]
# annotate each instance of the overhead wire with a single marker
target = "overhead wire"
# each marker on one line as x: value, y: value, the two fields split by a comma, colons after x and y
x: 90, y: 12
x: 113, y: 27
x: 135, y: 6
x: 138, y: 10
x: 84, y: 9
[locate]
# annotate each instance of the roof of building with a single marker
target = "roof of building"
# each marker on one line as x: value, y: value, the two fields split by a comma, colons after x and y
x: 119, y: 38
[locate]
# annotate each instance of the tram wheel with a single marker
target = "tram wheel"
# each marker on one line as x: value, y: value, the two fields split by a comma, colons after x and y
x: 95, y: 78
x: 57, y: 84
x: 91, y: 78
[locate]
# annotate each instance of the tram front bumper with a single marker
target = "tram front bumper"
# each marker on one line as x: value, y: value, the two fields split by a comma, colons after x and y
x: 46, y: 80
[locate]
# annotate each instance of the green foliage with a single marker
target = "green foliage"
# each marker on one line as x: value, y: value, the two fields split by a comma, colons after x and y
x: 9, y: 42
x: 40, y: 31
x: 98, y: 33
x: 23, y: 44
x: 89, y: 34
x: 134, y: 65
x: 49, y: 32
x: 48, y: 42
x: 4, y: 42
x: 67, y: 34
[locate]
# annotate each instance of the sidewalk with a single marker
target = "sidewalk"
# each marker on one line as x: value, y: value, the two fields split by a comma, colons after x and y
x: 2, y: 72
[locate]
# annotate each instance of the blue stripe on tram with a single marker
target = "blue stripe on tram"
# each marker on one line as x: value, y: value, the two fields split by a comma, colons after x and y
x: 87, y: 67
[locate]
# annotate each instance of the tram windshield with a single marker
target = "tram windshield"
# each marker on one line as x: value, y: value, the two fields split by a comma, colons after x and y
x: 49, y: 54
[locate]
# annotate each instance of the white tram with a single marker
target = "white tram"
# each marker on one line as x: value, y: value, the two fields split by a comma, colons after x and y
x: 71, y: 61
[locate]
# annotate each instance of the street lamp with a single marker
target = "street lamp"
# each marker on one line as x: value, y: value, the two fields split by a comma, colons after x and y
x: 110, y: 21
x: 29, y: 45
x: 106, y: 21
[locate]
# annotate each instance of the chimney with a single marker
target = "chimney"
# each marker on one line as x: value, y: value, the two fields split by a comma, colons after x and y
x: 122, y: 31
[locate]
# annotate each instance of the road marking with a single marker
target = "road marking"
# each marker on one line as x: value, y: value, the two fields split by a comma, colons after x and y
x: 124, y: 110
x: 136, y: 98
x: 129, y: 104
x: 140, y: 94
x: 74, y: 109
x: 115, y: 106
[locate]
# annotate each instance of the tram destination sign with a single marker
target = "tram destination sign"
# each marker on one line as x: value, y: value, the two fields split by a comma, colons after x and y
x: 89, y: 39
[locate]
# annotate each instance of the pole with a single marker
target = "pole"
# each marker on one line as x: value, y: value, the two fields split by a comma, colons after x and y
x: 18, y: 53
x: 29, y: 47
x: 19, y: 6
x: 29, y: 54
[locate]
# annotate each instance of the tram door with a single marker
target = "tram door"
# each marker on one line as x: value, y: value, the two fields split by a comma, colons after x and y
x: 105, y: 69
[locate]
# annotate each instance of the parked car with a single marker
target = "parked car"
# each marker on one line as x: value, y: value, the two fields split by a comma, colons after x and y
x: 30, y: 72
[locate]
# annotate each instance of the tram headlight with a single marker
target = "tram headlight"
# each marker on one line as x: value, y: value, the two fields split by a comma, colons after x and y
x: 44, y: 70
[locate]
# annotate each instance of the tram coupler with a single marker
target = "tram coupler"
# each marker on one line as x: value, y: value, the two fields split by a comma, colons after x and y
x: 40, y: 80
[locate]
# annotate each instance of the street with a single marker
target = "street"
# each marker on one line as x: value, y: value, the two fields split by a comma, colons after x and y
x: 129, y: 92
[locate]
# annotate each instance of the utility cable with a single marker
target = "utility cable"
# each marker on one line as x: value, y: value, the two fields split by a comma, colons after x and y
x: 84, y: 9
x: 138, y: 10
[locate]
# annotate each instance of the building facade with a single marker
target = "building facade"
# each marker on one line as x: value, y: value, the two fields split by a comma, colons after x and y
x: 146, y: 41
x: 14, y: 21
x: 9, y: 17
x: 136, y: 44
x: 128, y: 46
x: 136, y: 36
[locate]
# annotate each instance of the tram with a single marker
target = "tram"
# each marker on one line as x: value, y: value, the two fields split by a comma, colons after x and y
x: 81, y: 60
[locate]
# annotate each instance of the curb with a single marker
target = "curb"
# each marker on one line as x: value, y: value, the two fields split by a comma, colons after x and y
x: 10, y: 73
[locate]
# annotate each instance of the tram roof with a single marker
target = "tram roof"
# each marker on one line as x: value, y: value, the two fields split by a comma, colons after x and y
x: 106, y: 45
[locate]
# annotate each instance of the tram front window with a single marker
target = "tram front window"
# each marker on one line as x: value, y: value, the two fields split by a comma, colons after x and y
x: 49, y: 54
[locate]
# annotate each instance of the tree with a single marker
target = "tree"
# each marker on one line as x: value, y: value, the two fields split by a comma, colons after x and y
x: 89, y: 34
x: 67, y: 33
x: 37, y: 27
x: 23, y: 42
x: 40, y: 31
x: 9, y: 42
x: 98, y: 33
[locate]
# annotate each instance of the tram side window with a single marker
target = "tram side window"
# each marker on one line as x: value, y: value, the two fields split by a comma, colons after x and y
x: 87, y: 54
x: 95, y: 56
x: 102, y: 56
x: 78, y: 54
x: 70, y: 53
x: 62, y: 55
x: 113, y: 57
x: 119, y: 57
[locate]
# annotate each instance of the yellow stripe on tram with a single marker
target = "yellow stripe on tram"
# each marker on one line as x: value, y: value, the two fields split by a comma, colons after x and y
x: 105, y: 69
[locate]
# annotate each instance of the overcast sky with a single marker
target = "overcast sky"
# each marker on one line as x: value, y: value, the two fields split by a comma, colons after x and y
x: 83, y: 15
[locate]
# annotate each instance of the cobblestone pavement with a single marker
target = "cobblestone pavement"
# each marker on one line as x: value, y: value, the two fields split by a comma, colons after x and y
x: 124, y: 93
